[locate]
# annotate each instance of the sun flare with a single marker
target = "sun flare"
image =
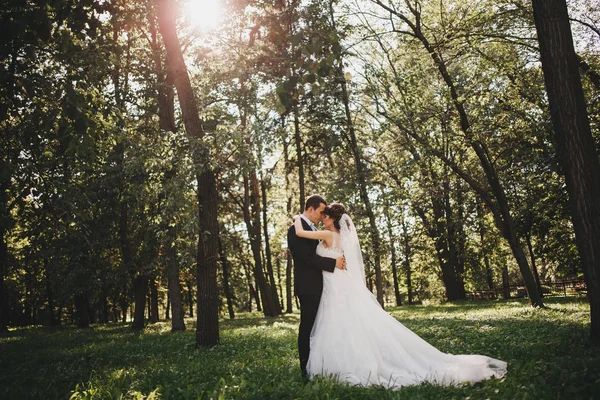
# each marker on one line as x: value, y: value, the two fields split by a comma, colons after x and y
x: 203, y: 14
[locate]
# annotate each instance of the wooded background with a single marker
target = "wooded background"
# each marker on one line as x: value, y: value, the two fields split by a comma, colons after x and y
x: 150, y: 167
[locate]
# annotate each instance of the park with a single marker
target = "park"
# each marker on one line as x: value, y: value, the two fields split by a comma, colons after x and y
x: 153, y: 155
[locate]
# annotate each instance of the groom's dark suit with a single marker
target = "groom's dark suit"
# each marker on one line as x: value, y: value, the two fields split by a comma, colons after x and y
x: 308, y: 285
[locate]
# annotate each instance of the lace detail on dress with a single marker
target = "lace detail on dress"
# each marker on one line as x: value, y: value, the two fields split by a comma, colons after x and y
x: 334, y: 251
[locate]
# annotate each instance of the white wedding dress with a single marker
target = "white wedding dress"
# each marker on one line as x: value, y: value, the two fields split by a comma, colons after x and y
x: 354, y: 340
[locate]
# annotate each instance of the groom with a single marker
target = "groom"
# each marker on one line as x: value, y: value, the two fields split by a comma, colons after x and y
x: 308, y: 273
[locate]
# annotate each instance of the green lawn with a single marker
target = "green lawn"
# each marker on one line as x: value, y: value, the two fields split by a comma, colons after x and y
x: 548, y: 352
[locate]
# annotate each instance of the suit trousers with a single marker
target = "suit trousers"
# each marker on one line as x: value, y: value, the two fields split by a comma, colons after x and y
x: 309, y: 305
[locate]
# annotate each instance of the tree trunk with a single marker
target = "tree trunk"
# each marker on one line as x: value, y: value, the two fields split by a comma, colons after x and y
x: 505, y: 283
x: 168, y: 306
x: 124, y: 302
x: 125, y: 245
x: 207, y: 328
x: 82, y: 317
x: 104, y: 309
x: 207, y: 301
x: 226, y: 287
x: 255, y: 293
x: 489, y: 275
x: 576, y: 146
x: 4, y: 311
x: 154, y: 317
x: 148, y: 304
x: 533, y: 265
x: 190, y: 296
x: 288, y: 254
x: 174, y: 283
x: 394, y: 260
x: 288, y: 281
x: 166, y: 118
x: 251, y: 213
x: 279, y: 286
x: 407, y: 258
x: 268, y: 257
x: 140, y: 288
x: 460, y: 239
x: 300, y: 158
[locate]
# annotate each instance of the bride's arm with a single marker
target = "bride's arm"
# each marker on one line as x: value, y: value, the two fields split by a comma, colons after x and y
x: 327, y: 236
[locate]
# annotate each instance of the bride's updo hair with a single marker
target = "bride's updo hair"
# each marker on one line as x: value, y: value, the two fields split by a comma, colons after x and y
x: 335, y: 212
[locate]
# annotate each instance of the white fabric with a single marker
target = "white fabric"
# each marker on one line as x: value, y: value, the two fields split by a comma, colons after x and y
x: 351, y: 248
x: 355, y: 340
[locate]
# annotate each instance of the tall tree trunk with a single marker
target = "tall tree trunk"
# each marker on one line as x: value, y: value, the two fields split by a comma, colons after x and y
x: 154, y: 317
x: 174, y: 283
x: 226, y: 287
x: 251, y: 211
x: 124, y: 302
x: 82, y: 317
x: 166, y: 118
x: 140, y: 288
x: 300, y: 158
x: 255, y: 292
x: 489, y: 274
x: 148, y: 303
x: 168, y: 306
x: 288, y: 281
x: 505, y: 283
x: 533, y: 265
x: 104, y: 308
x: 125, y: 246
x: 394, y: 260
x: 450, y: 238
x: 279, y: 286
x: 207, y: 307
x: 461, y: 239
x: 576, y: 146
x: 288, y: 254
x: 407, y: 259
x: 4, y: 311
x: 207, y: 328
x: 190, y: 296
x: 268, y: 257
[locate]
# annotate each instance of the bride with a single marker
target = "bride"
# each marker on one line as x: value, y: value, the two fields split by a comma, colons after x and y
x: 354, y: 340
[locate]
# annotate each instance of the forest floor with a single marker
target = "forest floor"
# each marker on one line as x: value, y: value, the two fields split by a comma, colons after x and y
x: 548, y: 352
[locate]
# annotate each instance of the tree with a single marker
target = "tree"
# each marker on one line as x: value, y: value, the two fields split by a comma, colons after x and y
x: 491, y: 190
x: 576, y: 147
x: 207, y: 329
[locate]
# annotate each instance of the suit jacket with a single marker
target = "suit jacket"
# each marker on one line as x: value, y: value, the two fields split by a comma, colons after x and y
x: 308, y: 266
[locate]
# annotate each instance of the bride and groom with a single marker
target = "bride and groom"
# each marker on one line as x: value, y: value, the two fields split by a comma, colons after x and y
x: 344, y: 333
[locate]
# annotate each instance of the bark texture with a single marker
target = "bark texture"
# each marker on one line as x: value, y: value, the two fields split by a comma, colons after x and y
x: 576, y: 148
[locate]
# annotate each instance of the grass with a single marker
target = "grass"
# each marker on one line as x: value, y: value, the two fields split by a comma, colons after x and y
x: 548, y: 351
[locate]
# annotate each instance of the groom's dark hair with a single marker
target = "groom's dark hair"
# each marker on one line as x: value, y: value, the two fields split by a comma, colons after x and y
x: 314, y: 201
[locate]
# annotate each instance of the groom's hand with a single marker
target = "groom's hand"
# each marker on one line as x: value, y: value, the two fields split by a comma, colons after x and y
x: 340, y: 263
